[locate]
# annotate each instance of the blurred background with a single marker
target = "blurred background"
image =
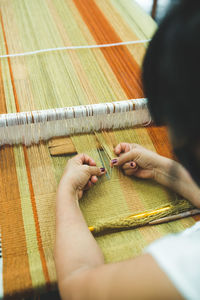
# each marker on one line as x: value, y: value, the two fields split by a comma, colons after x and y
x: 157, y: 8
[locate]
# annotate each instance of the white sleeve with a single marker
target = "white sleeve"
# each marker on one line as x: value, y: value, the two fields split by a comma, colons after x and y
x: 178, y: 255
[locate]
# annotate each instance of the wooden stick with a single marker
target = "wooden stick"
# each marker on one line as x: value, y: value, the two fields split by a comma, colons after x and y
x: 175, y: 217
x: 63, y: 145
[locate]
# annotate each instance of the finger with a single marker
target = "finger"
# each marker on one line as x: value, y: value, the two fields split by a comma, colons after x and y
x: 129, y: 165
x: 80, y: 194
x: 84, y: 159
x: 90, y: 183
x: 88, y: 186
x: 94, y: 179
x: 131, y: 172
x: 126, y: 157
x: 121, y: 148
x: 79, y: 158
x: 89, y: 160
x: 95, y: 171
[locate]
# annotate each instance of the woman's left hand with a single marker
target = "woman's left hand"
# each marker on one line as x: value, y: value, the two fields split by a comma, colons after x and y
x: 80, y: 174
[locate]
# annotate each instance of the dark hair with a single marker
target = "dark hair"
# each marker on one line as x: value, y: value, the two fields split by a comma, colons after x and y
x: 171, y: 78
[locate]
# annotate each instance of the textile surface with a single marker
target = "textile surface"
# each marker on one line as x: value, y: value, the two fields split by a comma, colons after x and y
x: 29, y: 176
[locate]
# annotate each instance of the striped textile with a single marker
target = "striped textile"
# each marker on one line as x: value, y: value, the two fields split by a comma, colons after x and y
x: 29, y: 176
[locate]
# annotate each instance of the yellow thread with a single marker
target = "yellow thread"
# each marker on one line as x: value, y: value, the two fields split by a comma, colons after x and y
x: 91, y: 228
x: 146, y: 214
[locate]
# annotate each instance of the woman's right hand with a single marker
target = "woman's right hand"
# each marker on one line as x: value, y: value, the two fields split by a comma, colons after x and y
x: 138, y: 161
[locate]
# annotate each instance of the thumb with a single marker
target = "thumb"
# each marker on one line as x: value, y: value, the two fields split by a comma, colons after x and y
x: 95, y: 171
x: 126, y: 157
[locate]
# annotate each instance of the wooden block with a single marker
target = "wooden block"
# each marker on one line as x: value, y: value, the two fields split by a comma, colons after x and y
x: 63, y: 145
x: 57, y: 141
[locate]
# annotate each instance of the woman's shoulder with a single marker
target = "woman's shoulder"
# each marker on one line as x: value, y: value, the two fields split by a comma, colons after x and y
x: 178, y: 255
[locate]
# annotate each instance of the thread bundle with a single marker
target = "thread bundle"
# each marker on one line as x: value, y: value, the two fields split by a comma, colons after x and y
x: 141, y: 219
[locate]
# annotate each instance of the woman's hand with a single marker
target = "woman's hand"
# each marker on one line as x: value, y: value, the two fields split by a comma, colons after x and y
x: 138, y: 161
x: 80, y: 174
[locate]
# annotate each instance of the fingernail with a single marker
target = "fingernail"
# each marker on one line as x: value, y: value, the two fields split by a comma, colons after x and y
x: 102, y: 170
x: 132, y: 164
x: 114, y: 161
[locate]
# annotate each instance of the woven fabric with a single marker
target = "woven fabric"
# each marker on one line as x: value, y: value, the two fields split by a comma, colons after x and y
x: 29, y: 176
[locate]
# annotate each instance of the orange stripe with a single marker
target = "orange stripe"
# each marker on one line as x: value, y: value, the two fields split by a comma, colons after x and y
x: 15, y: 256
x: 16, y: 271
x: 2, y: 95
x: 37, y: 226
x: 120, y: 59
x: 9, y: 64
x: 42, y: 255
x: 159, y: 137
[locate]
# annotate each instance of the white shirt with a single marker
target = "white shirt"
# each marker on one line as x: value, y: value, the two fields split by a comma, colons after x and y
x: 178, y: 255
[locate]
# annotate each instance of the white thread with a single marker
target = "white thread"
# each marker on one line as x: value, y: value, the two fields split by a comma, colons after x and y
x: 31, y: 127
x: 75, y: 47
x: 41, y: 116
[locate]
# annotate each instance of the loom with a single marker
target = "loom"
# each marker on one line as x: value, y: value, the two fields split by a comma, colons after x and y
x: 69, y: 67
x: 32, y: 127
